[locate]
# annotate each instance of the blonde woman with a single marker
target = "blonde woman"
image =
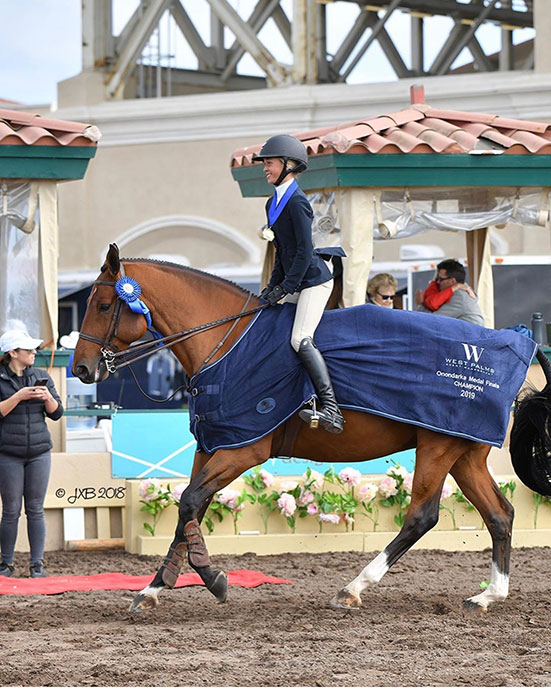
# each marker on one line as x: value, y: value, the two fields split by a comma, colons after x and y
x: 381, y: 290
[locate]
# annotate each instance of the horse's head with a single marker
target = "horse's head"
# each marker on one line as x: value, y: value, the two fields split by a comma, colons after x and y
x: 108, y: 323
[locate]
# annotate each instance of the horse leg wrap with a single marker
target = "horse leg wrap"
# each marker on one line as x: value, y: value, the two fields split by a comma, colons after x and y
x: 173, y: 564
x: 198, y: 558
x: 197, y: 554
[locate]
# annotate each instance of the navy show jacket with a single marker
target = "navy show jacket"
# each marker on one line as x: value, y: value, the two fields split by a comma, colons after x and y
x: 297, y: 265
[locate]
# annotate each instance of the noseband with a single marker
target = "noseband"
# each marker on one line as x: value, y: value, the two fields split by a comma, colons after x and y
x: 111, y: 356
x: 107, y: 347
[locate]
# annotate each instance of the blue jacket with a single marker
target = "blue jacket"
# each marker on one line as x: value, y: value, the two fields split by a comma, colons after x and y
x: 297, y: 266
x: 23, y: 432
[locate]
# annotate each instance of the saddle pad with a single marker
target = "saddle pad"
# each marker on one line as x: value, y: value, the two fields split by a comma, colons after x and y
x: 436, y: 372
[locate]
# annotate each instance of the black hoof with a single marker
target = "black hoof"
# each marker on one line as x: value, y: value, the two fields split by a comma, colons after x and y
x: 219, y: 587
x: 142, y: 603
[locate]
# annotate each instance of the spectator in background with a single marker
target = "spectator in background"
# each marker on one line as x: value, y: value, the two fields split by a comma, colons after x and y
x: 449, y: 295
x: 27, y: 396
x: 381, y: 290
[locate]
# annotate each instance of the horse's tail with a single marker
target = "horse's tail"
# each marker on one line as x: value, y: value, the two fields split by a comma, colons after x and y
x: 530, y: 436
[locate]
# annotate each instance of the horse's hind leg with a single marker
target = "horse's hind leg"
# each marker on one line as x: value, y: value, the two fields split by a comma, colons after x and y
x: 220, y: 470
x: 436, y: 454
x: 472, y: 476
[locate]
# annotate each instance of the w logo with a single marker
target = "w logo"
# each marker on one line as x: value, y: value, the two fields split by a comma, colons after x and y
x: 473, y: 352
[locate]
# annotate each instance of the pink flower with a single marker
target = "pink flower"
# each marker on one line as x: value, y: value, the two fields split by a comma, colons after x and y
x: 228, y: 498
x: 306, y: 497
x: 287, y: 486
x: 350, y: 476
x: 367, y: 492
x: 312, y: 509
x: 388, y: 486
x: 316, y: 479
x: 331, y: 518
x: 150, y: 488
x: 287, y: 504
x: 447, y: 491
x: 407, y: 485
x: 399, y: 471
x: 178, y: 490
x: 267, y: 478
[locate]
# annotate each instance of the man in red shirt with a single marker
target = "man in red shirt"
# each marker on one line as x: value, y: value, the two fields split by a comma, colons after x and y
x: 450, y: 278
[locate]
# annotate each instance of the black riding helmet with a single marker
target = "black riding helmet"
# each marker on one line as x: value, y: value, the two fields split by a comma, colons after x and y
x: 287, y: 148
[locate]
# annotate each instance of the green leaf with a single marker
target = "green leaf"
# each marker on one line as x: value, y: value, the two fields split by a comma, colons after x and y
x: 149, y: 528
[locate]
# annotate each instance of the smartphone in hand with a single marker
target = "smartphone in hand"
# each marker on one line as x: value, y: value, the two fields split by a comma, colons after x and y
x: 41, y: 383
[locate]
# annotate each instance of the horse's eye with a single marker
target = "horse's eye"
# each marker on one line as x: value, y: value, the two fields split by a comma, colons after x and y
x: 104, y: 307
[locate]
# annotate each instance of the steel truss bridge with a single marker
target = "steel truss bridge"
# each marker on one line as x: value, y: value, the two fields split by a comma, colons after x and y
x: 138, y: 62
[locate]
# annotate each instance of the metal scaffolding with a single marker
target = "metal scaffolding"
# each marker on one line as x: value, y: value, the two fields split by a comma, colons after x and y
x: 140, y: 60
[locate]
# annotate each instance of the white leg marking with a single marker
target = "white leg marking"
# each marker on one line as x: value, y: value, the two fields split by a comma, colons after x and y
x: 152, y: 591
x: 371, y: 574
x: 497, y: 589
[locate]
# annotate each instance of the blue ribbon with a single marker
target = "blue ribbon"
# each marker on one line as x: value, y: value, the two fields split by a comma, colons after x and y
x: 129, y: 290
x: 276, y: 208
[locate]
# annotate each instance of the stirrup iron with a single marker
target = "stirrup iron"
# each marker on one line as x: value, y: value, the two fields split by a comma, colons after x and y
x: 315, y: 419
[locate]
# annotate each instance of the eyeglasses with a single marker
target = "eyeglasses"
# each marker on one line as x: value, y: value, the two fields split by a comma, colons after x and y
x: 386, y: 297
x: 442, y: 278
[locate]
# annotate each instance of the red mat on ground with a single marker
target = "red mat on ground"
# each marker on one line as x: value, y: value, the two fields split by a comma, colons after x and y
x: 114, y: 581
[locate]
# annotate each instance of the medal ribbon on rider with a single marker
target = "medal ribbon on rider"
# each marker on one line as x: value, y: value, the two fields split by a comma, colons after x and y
x: 277, y: 207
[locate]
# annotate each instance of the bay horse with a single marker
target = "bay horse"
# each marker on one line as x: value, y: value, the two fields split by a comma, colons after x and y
x: 180, y: 298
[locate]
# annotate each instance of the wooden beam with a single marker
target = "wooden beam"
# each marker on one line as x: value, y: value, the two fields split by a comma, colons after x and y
x: 475, y: 241
x: 96, y: 544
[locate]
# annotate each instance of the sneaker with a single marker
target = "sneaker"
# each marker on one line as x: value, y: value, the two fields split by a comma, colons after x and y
x: 37, y: 569
x: 6, y: 570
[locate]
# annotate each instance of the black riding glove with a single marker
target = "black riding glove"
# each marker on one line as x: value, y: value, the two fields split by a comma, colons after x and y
x: 274, y: 295
x: 265, y: 292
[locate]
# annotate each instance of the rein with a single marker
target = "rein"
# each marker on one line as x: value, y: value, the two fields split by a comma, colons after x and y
x: 112, y: 357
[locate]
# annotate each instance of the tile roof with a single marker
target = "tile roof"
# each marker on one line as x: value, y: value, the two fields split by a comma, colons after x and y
x: 420, y: 129
x: 19, y: 128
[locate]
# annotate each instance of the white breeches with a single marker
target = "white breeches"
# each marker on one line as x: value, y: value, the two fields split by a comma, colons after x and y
x: 310, y: 304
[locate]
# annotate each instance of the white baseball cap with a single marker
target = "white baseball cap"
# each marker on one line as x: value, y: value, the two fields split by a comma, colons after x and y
x: 17, y: 338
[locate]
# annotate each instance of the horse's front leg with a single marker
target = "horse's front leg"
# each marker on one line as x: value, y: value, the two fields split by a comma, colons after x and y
x: 221, y: 469
x: 148, y: 598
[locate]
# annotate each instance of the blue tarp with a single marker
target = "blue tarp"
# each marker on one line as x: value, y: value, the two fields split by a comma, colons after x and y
x: 435, y: 372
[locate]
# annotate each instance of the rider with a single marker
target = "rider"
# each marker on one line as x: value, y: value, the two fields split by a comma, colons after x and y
x: 300, y: 275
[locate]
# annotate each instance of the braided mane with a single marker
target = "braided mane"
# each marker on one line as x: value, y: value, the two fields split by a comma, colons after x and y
x: 175, y: 265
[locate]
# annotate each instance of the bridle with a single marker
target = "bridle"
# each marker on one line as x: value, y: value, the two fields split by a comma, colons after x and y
x: 112, y: 357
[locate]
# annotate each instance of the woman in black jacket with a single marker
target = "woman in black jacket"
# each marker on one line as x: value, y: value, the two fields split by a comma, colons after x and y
x: 27, y: 396
x: 300, y: 275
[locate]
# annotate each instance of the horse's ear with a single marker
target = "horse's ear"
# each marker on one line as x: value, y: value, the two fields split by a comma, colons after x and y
x: 112, y: 260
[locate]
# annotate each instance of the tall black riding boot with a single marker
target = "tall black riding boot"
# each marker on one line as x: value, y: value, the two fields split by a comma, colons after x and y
x: 328, y: 414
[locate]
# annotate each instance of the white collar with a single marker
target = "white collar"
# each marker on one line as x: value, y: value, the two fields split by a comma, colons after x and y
x: 282, y: 189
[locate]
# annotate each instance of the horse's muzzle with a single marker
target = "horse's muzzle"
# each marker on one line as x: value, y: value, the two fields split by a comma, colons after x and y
x: 89, y: 373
